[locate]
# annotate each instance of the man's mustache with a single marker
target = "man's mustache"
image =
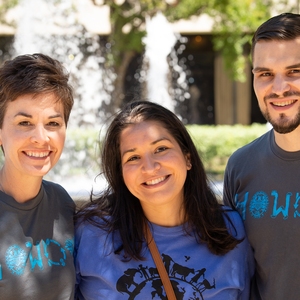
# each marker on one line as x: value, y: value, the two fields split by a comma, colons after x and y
x: 285, y: 94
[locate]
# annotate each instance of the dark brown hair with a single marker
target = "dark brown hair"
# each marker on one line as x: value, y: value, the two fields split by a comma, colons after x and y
x: 285, y: 26
x: 34, y: 74
x: 120, y: 210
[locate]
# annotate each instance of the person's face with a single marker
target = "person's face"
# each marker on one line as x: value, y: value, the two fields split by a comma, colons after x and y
x: 153, y: 166
x: 276, y: 69
x: 32, y: 135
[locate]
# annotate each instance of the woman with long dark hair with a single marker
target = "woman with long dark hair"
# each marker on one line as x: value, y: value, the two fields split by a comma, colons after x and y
x: 157, y: 184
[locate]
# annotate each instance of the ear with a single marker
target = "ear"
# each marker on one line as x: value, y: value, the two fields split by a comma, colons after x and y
x: 1, y: 145
x: 188, y: 161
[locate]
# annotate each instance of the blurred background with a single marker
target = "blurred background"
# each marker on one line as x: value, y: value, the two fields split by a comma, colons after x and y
x: 192, y: 56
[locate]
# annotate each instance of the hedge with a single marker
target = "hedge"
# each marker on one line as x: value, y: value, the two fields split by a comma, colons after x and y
x: 216, y: 143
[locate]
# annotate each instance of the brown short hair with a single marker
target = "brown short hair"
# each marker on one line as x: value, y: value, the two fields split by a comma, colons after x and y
x: 34, y: 74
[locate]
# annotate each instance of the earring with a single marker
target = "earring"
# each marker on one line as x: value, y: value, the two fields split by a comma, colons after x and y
x: 189, y: 165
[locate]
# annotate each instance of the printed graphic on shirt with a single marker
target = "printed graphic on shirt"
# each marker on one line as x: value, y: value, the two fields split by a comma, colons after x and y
x: 47, y: 253
x: 280, y: 206
x: 135, y: 280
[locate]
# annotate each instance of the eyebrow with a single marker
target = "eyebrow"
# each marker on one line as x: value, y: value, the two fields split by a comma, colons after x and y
x: 262, y: 69
x: 153, y: 143
x: 23, y: 114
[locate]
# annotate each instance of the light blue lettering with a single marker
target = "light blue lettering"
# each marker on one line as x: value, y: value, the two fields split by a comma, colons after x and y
x: 241, y: 205
x: 15, y: 258
x: 281, y: 209
x: 296, y: 213
x: 62, y: 261
x: 259, y: 204
x: 69, y: 245
x: 35, y: 261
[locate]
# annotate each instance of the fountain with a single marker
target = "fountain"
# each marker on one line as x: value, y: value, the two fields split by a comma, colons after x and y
x: 55, y: 31
x: 161, y: 63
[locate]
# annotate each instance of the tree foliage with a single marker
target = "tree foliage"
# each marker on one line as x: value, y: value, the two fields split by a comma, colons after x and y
x: 234, y: 23
x: 5, y: 5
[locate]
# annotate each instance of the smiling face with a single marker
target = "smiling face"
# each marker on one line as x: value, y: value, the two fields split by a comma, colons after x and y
x: 153, y: 165
x: 276, y: 69
x: 32, y: 135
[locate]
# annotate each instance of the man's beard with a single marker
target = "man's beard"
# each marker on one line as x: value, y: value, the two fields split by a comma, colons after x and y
x: 282, y: 125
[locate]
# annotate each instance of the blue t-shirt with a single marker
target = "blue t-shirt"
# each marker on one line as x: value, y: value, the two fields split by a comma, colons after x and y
x: 195, y: 273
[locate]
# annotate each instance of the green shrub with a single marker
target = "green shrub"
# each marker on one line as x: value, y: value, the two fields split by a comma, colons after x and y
x: 216, y: 143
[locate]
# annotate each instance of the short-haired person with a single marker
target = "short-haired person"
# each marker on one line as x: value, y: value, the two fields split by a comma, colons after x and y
x: 156, y: 178
x: 262, y: 178
x: 36, y: 216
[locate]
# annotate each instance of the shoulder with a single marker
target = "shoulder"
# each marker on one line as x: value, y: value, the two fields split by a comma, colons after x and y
x: 57, y: 193
x: 85, y: 227
x: 234, y: 222
x: 253, y: 146
x: 90, y: 228
x: 88, y: 233
x: 52, y: 187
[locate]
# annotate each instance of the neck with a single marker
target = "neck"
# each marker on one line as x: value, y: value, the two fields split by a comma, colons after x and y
x: 164, y: 216
x: 22, y: 189
x: 290, y: 141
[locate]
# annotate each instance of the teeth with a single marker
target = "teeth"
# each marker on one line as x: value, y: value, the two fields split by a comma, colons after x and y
x: 155, y: 181
x: 38, y: 154
x: 284, y: 103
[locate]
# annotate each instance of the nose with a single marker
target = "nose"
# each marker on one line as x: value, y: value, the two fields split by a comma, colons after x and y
x: 280, y: 85
x: 150, y: 164
x: 39, y: 135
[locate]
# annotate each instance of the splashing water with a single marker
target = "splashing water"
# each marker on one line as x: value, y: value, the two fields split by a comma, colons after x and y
x: 161, y: 63
x: 51, y: 27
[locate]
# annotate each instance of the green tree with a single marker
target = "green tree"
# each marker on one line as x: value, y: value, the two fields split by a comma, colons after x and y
x: 234, y: 24
x: 5, y: 5
x: 127, y: 30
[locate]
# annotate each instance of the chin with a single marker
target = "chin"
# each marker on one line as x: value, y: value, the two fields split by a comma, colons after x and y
x: 39, y: 172
x: 284, y: 128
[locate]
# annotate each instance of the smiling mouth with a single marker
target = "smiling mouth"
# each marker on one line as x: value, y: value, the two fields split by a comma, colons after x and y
x: 37, y: 154
x: 156, y: 181
x: 284, y: 103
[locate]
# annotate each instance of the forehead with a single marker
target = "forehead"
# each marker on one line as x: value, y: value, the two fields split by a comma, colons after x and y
x: 276, y: 52
x: 143, y: 132
x: 43, y: 103
x: 144, y: 128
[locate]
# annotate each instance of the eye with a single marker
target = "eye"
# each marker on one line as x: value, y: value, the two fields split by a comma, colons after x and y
x: 266, y: 74
x: 295, y: 71
x: 53, y: 124
x: 24, y: 123
x: 133, y: 158
x: 161, y: 149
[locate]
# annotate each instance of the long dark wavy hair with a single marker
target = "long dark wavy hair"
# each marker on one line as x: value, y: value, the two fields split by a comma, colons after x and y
x: 121, y: 211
